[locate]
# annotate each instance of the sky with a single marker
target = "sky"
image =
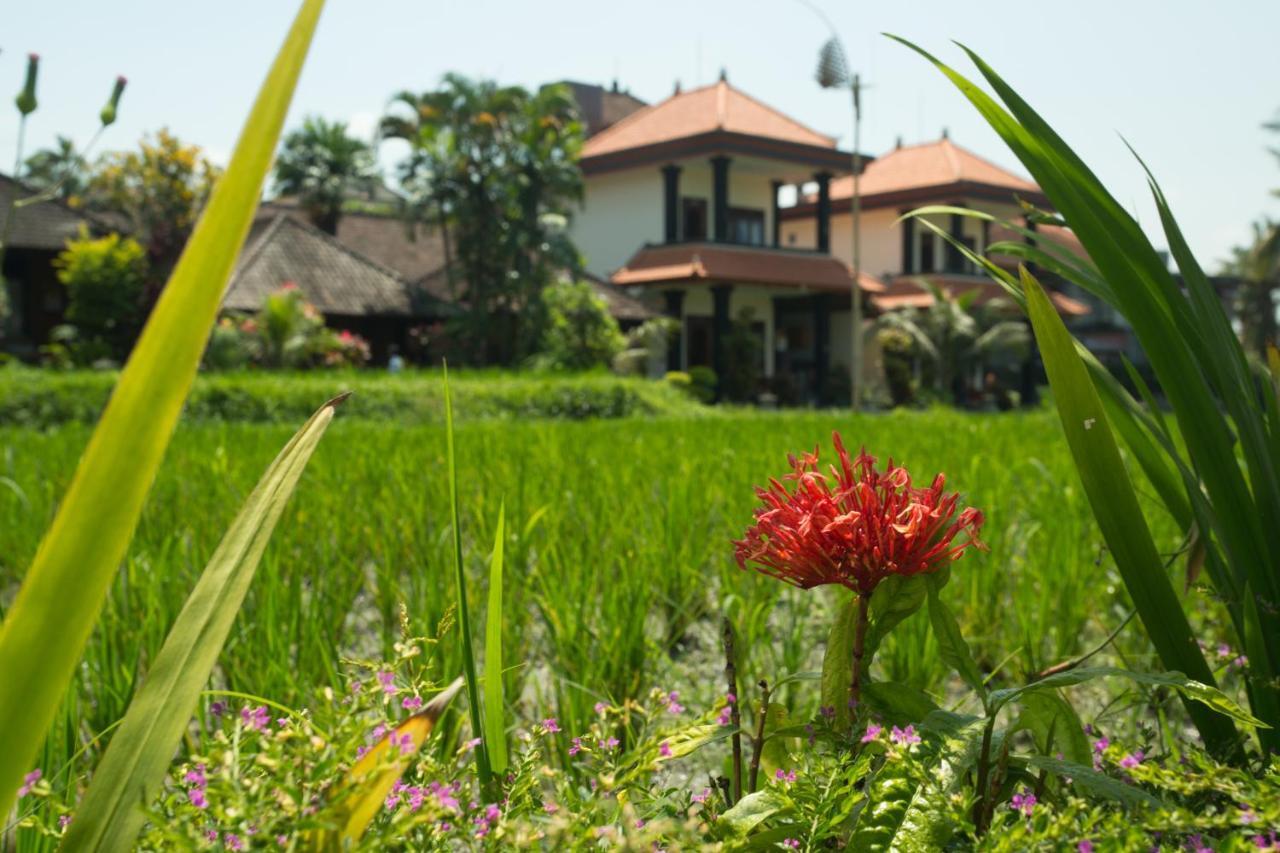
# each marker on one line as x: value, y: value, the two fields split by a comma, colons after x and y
x: 1187, y: 82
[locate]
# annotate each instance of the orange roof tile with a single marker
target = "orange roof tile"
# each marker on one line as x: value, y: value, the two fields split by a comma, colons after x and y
x: 718, y: 107
x: 712, y: 262
x: 931, y: 164
x: 904, y: 292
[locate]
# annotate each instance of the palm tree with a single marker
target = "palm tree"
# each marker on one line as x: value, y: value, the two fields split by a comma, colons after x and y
x: 496, y: 168
x: 60, y: 168
x: 952, y: 335
x: 321, y: 164
x: 1258, y: 268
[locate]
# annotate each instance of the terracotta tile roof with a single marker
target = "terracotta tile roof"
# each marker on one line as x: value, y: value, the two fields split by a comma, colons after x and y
x: 336, y: 279
x: 904, y: 292
x: 718, y: 107
x: 1064, y: 237
x: 44, y: 225
x: 931, y: 164
x: 621, y: 306
x: 713, y: 262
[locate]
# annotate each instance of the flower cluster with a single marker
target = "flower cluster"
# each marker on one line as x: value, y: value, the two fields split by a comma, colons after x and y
x: 855, y: 527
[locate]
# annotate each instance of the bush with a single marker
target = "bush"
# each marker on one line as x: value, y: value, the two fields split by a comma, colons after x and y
x: 898, y: 349
x: 42, y: 398
x: 105, y: 278
x: 287, y: 332
x: 580, y: 333
x: 741, y: 380
x: 703, y: 383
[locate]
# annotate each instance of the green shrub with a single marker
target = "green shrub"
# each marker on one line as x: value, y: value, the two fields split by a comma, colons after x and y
x: 580, y: 333
x: 105, y: 278
x: 704, y: 381
x: 46, y: 398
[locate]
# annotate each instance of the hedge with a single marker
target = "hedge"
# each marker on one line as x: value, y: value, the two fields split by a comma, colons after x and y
x: 42, y: 398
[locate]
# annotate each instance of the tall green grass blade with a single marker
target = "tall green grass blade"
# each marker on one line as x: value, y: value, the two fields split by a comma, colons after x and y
x: 460, y: 579
x: 132, y: 771
x: 495, y: 733
x: 45, y: 630
x: 1115, y: 506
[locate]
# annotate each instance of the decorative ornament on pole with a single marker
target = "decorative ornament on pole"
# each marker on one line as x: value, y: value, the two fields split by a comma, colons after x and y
x: 833, y: 73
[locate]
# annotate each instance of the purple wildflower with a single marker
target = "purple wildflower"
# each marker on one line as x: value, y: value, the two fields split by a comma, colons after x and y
x: 1133, y: 760
x: 197, y: 798
x: 29, y: 781
x: 664, y: 749
x: 904, y: 737
x: 1024, y: 802
x: 258, y: 718
x: 793, y: 843
x: 702, y: 796
x: 64, y: 821
x: 233, y: 841
x: 551, y: 725
x: 785, y: 776
x: 872, y: 732
x: 550, y: 808
x: 411, y: 703
x: 673, y: 703
x: 577, y: 746
x: 217, y: 708
x: 1085, y: 846
x: 612, y: 743
x: 388, y: 682
x: 601, y: 707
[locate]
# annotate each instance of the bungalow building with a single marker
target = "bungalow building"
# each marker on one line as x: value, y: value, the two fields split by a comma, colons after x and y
x: 683, y: 208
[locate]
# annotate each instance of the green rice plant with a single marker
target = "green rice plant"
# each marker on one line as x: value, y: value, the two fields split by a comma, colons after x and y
x: 45, y: 630
x: 494, y: 710
x: 132, y: 770
x: 1222, y: 469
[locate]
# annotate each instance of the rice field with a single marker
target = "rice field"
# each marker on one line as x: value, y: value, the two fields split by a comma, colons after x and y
x: 619, y: 563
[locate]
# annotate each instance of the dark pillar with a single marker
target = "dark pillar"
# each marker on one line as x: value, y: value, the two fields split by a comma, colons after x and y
x: 671, y: 203
x: 821, y: 344
x: 776, y: 186
x: 955, y: 260
x: 720, y: 323
x: 824, y: 210
x: 675, y: 310
x: 986, y: 235
x: 720, y: 197
x: 908, y: 245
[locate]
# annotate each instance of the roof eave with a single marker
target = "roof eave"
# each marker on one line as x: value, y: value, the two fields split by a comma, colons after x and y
x: 954, y: 191
x: 722, y: 142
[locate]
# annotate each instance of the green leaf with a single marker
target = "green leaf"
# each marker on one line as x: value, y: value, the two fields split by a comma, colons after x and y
x: 132, y: 771
x: 1196, y: 692
x: 1116, y: 508
x: 951, y: 643
x: 1095, y: 783
x: 775, y: 754
x: 899, y: 703
x: 62, y: 593
x: 494, y: 711
x: 752, y: 810
x: 837, y: 663
x: 1054, y: 724
x: 460, y: 590
x: 895, y: 599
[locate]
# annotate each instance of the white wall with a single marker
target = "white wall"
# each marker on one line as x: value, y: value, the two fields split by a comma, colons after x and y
x: 621, y: 211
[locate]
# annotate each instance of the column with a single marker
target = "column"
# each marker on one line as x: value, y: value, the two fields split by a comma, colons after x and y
x: 821, y: 344
x: 908, y: 245
x: 720, y: 197
x: 955, y: 260
x: 671, y: 203
x: 675, y: 310
x: 775, y: 217
x: 824, y: 210
x: 720, y: 322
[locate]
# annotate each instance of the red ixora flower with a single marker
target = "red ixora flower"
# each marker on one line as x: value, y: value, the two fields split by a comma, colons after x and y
x: 856, y: 527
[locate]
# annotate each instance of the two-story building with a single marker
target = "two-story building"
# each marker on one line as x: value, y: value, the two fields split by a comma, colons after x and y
x: 683, y: 207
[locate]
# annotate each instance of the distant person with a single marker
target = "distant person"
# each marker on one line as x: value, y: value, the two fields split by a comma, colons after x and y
x: 395, y: 362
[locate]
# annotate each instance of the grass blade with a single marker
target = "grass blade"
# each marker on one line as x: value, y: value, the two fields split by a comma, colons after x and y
x: 132, y: 771
x: 370, y: 780
x: 495, y: 736
x: 1115, y: 506
x: 460, y: 579
x: 62, y: 594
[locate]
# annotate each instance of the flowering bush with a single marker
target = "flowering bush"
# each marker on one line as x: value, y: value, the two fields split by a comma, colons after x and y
x: 288, y: 332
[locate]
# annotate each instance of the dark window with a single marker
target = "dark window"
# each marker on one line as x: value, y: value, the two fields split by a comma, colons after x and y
x: 966, y: 265
x: 928, y: 262
x: 746, y: 227
x: 694, y: 216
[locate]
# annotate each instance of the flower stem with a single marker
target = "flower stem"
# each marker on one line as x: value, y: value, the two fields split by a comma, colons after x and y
x: 757, y: 746
x: 731, y: 676
x: 859, y: 642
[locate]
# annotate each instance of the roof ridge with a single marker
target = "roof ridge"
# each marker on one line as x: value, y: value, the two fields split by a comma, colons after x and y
x: 949, y: 151
x: 780, y: 113
x: 250, y: 257
x: 970, y: 153
x: 326, y: 237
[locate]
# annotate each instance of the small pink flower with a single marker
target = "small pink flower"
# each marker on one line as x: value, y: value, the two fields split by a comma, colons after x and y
x: 411, y: 703
x: 469, y: 745
x: 664, y: 749
x: 785, y: 776
x: 872, y: 732
x: 211, y: 835
x: 612, y: 743
x: 195, y: 776
x: 550, y: 808
x: 197, y: 798
x: 404, y: 741
x: 64, y: 821
x: 258, y: 719
x: 1085, y: 846
x: 282, y: 840
x: 726, y: 716
x: 702, y: 796
x: 29, y: 781
x: 233, y: 842
x: 793, y: 843
x: 673, y: 703
x: 904, y: 737
x: 601, y: 707
x: 388, y: 682
x: 577, y: 746
x: 551, y: 725
x: 1133, y: 760
x: 1024, y: 802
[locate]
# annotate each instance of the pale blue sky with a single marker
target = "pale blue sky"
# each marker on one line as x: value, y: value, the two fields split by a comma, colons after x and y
x: 1187, y: 82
